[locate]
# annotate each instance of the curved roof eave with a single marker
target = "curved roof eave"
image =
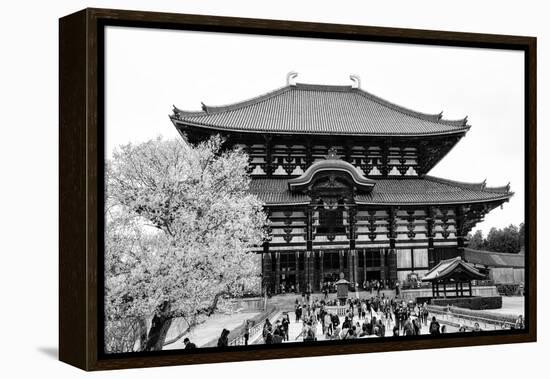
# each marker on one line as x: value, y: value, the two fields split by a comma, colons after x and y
x: 455, y: 202
x: 314, y: 133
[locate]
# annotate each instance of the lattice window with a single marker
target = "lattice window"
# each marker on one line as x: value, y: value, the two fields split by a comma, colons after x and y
x: 373, y: 258
x: 331, y: 260
x: 331, y: 221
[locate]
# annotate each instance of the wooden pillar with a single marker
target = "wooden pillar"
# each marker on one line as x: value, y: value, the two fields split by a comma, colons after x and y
x: 460, y: 216
x: 364, y: 252
x: 306, y: 270
x: 349, y: 259
x: 264, y: 277
x: 309, y: 228
x: 430, y: 219
x: 308, y: 258
x: 309, y: 157
x: 340, y: 261
x: 444, y: 289
x: 268, y: 156
x: 311, y: 270
x: 298, y: 272
x: 392, y: 235
x: 382, y: 266
x: 267, y: 273
x: 354, y: 260
x: 321, y: 265
x: 277, y: 272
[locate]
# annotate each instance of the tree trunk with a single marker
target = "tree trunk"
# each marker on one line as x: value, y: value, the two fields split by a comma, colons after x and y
x: 159, y: 329
x: 142, y: 333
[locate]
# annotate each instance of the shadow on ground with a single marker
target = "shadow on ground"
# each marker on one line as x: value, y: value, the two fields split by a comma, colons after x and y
x: 49, y: 351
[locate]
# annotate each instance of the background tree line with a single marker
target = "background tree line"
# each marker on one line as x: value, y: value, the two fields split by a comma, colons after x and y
x: 509, y: 239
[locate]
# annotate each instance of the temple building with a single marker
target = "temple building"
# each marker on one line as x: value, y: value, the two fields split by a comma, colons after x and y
x: 344, y: 178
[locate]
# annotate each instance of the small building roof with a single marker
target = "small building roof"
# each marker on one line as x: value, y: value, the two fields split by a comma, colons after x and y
x: 331, y: 165
x: 388, y: 191
x: 494, y: 259
x: 454, y: 268
x: 321, y: 110
x: 342, y: 281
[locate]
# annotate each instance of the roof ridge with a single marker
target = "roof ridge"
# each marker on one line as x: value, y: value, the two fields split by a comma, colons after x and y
x: 322, y: 87
x: 438, y: 117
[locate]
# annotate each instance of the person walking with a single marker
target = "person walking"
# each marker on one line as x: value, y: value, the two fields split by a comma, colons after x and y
x: 223, y: 341
x: 284, y: 327
x: 397, y: 289
x: 188, y: 344
x: 417, y: 326
x: 434, y: 326
x: 298, y: 312
x: 335, y: 321
x: 277, y: 338
x: 246, y: 331
x: 520, y: 324
x: 327, y: 324
x: 425, y: 314
x: 408, y: 328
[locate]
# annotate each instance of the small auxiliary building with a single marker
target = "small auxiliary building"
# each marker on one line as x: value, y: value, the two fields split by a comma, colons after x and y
x: 343, y: 175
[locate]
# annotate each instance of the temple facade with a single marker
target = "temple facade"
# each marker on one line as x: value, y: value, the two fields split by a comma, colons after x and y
x: 344, y: 178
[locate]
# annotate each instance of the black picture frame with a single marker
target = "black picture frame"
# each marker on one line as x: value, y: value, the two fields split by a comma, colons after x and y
x: 81, y: 152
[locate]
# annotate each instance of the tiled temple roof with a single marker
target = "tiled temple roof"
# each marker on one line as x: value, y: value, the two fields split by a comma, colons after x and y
x: 447, y: 268
x: 322, y: 110
x: 494, y: 259
x: 425, y: 190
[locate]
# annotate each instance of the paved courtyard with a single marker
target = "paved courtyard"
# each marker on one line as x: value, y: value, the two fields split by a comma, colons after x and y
x: 211, y: 329
x: 511, y: 305
x: 207, y: 331
x: 295, y: 329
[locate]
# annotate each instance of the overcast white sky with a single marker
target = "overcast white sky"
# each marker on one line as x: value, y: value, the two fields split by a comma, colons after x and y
x: 149, y: 70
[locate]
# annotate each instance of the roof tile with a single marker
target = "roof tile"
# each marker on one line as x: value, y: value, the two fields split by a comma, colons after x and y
x: 426, y: 190
x: 320, y: 109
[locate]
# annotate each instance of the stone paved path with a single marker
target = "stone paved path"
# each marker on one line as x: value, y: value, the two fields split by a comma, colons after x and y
x: 209, y: 330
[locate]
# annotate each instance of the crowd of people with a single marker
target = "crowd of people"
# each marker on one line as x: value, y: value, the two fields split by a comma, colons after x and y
x: 375, y: 316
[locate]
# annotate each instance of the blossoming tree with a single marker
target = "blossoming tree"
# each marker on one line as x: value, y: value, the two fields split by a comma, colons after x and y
x: 180, y: 226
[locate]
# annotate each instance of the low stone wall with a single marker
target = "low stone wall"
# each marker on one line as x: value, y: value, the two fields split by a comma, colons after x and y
x: 426, y: 293
x: 249, y: 304
x: 476, y: 302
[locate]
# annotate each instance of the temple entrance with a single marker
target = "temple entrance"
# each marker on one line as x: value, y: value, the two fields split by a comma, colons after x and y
x: 331, y: 277
x: 373, y: 275
x: 288, y: 283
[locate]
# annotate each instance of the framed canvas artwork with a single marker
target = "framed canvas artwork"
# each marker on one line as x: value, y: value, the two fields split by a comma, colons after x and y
x: 240, y: 189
